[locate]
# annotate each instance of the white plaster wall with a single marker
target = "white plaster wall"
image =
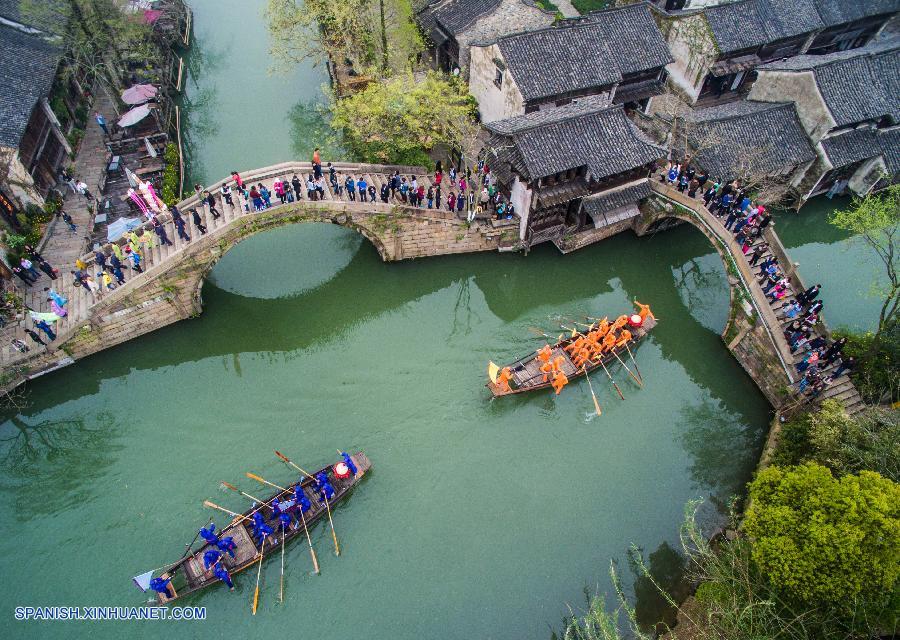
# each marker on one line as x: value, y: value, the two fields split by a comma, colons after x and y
x: 800, y: 88
x: 18, y: 183
x: 520, y: 196
x: 694, y: 51
x: 865, y: 177
x: 493, y: 103
x: 512, y: 16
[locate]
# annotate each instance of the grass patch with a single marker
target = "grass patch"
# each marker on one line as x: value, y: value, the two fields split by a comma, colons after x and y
x: 586, y: 6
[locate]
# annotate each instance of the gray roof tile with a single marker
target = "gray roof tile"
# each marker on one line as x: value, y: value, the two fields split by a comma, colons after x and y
x: 857, y: 85
x: 616, y: 198
x: 593, y: 51
x: 765, y: 136
x: 834, y: 12
x: 889, y: 143
x: 457, y: 15
x: 747, y: 24
x: 848, y: 147
x: 586, y: 133
x: 28, y: 64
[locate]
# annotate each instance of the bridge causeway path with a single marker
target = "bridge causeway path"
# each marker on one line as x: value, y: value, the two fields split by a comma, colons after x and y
x: 174, y: 274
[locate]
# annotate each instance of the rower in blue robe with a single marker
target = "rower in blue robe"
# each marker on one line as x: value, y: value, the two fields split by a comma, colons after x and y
x: 209, y: 534
x: 323, y: 487
x: 222, y: 574
x: 276, y: 509
x: 227, y: 545
x: 210, y: 558
x: 260, y: 528
x: 349, y: 462
x: 302, y: 501
x: 161, y: 585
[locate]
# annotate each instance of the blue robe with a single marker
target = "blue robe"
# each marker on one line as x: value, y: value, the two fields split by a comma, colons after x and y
x: 161, y: 586
x: 209, y: 534
x: 222, y: 574
x: 210, y: 558
x: 349, y: 462
x: 227, y: 545
x: 324, y: 487
x: 302, y: 500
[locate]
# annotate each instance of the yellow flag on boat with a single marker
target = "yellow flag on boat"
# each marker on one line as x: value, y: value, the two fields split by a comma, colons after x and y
x: 574, y: 332
x: 493, y: 370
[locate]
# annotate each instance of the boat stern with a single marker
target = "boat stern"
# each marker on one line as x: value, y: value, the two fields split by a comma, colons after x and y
x: 362, y: 463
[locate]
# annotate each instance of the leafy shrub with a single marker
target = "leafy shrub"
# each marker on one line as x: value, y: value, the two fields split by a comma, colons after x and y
x: 171, y: 176
x: 877, y: 373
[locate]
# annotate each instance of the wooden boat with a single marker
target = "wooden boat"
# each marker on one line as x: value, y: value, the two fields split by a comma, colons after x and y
x: 190, y: 574
x: 526, y: 371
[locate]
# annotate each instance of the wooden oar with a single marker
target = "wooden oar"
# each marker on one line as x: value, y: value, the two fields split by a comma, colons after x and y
x: 636, y: 368
x: 618, y: 390
x: 253, y: 476
x: 546, y: 335
x: 212, y: 505
x: 258, y: 574
x: 337, y: 547
x: 281, y: 591
x: 187, y: 547
x: 626, y: 368
x: 312, y: 551
x: 247, y: 495
x: 591, y: 387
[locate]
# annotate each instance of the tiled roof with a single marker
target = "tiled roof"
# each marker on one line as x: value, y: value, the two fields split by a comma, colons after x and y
x: 851, y: 146
x: 46, y: 15
x: 857, y: 85
x: 746, y: 24
x: 755, y: 137
x: 834, y: 12
x: 585, y: 133
x: 554, y: 61
x: 457, y: 15
x: 616, y: 198
x: 592, y: 51
x: 29, y: 66
x: 889, y: 143
x: 635, y: 40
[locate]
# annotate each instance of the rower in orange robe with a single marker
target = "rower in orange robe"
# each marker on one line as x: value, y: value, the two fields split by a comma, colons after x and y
x: 504, y: 378
x: 603, y: 327
x: 582, y: 356
x: 557, y: 363
x: 544, y: 353
x: 644, y: 311
x: 575, y: 346
x: 624, y: 337
x: 620, y: 322
x: 547, y: 369
x: 559, y: 381
x: 609, y: 342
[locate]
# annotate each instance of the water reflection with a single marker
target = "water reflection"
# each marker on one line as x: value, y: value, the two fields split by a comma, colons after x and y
x: 69, y: 457
x: 667, y: 570
x: 723, y: 448
x: 310, y: 127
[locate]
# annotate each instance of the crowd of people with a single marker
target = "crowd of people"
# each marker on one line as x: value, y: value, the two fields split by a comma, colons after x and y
x: 821, y: 359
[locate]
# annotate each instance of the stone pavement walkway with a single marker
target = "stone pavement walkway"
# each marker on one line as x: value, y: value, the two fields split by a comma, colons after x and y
x: 61, y: 246
x: 567, y: 9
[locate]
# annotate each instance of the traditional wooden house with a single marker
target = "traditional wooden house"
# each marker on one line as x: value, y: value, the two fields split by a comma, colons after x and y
x: 761, y: 144
x: 32, y: 145
x: 717, y: 48
x: 572, y: 171
x: 849, y: 106
x: 618, y: 55
x: 451, y: 25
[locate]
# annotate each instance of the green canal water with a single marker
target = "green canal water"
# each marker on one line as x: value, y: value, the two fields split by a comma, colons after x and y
x: 481, y: 518
x: 844, y: 266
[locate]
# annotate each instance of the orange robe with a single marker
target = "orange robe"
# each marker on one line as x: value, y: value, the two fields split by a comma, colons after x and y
x: 624, y: 337
x: 544, y: 353
x: 644, y: 311
x: 559, y: 381
x: 504, y: 378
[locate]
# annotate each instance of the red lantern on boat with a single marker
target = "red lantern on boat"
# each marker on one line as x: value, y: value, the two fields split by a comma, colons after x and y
x: 341, y: 470
x: 635, y: 320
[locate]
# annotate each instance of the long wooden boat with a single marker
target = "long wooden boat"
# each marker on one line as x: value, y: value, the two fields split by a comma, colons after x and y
x: 527, y: 374
x: 189, y: 574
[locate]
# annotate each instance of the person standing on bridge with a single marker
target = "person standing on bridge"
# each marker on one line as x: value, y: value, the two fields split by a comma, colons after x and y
x: 317, y: 163
x: 195, y: 215
x: 160, y: 231
x: 362, y: 186
x: 278, y: 188
x: 385, y: 193
x: 332, y: 178
x: 211, y: 203
x: 351, y: 188
x: 297, y: 183
x: 806, y: 297
x: 226, y: 195
x: 237, y: 179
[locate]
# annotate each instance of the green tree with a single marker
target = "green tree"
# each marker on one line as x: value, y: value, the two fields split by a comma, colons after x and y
x: 875, y: 219
x: 827, y: 543
x: 377, y: 37
x: 843, y: 443
x: 401, y: 118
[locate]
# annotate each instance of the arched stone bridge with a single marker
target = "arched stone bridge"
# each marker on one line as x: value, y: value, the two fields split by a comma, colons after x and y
x: 169, y: 288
